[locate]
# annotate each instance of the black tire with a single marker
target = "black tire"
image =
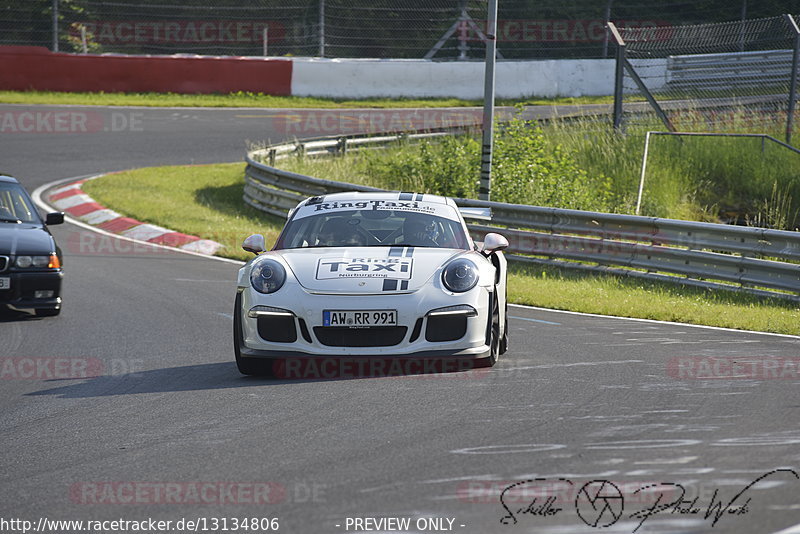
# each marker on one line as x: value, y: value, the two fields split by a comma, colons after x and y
x: 494, y: 333
x: 246, y: 366
x: 504, y: 341
x: 47, y: 312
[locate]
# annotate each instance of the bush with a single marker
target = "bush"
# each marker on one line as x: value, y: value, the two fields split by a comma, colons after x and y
x: 446, y: 167
x: 528, y: 169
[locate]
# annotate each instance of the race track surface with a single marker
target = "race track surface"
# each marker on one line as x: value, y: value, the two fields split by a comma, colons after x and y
x: 559, y: 437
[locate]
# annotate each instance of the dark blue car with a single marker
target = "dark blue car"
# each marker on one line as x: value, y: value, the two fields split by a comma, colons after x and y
x: 30, y: 260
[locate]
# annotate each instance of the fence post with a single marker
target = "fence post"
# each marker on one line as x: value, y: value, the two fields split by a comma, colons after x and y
x: 55, y: 25
x: 321, y: 28
x: 618, y: 75
x: 793, y: 81
x: 608, y: 19
x: 485, y: 187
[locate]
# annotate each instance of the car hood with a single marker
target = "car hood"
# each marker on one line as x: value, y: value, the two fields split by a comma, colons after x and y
x: 365, y: 270
x: 24, y: 240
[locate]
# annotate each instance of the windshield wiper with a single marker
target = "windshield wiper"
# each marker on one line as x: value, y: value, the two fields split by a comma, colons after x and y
x: 16, y: 221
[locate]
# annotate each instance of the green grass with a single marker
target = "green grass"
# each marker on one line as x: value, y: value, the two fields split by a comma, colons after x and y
x: 202, y: 200
x: 206, y: 201
x: 260, y: 100
x: 562, y: 289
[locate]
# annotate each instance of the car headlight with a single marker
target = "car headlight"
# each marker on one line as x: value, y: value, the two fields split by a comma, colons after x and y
x: 39, y: 262
x: 460, y: 275
x: 267, y: 276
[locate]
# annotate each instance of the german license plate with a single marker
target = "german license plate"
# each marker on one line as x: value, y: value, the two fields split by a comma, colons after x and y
x: 5, y: 283
x: 359, y: 318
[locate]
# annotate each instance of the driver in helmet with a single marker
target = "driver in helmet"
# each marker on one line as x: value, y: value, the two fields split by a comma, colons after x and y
x: 420, y: 232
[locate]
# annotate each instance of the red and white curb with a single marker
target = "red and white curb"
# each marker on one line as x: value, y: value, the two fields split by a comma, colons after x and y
x: 72, y: 200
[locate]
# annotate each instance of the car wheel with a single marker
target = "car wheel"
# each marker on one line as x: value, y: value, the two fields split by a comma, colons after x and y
x: 504, y: 341
x: 246, y: 366
x: 49, y: 312
x: 494, y: 334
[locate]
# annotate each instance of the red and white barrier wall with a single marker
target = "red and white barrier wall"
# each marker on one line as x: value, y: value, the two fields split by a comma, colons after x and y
x: 362, y: 78
x: 25, y: 68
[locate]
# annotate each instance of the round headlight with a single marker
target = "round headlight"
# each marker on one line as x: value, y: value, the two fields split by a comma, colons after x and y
x: 23, y: 262
x: 267, y: 276
x: 41, y: 261
x: 460, y: 275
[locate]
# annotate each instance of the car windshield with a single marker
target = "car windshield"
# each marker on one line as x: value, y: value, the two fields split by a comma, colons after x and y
x: 373, y: 228
x: 15, y: 205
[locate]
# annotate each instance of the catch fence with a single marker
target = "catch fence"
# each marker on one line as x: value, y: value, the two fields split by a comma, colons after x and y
x: 438, y: 29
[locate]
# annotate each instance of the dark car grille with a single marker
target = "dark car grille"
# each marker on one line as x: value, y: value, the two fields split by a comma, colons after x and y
x: 278, y: 329
x: 446, y: 328
x: 3, y: 263
x: 344, y: 336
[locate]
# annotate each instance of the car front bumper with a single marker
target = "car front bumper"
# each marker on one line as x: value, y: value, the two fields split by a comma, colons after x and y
x: 296, y: 330
x: 24, y: 285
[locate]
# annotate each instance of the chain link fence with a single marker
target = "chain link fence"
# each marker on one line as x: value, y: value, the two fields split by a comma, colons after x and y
x: 727, y: 77
x: 440, y: 29
x: 711, y: 92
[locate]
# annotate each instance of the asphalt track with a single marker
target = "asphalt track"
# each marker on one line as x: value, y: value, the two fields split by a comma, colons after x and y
x: 577, y: 398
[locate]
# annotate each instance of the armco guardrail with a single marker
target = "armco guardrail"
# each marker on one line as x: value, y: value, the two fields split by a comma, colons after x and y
x: 717, y: 71
x: 694, y: 253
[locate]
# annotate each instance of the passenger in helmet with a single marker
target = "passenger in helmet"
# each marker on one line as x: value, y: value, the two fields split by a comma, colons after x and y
x: 340, y: 232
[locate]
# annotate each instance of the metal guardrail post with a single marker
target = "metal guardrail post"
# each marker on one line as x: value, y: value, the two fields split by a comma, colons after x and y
x: 619, y: 74
x: 341, y: 146
x: 793, y: 81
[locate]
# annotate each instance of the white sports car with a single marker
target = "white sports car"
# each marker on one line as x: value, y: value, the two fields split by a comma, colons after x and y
x: 366, y: 275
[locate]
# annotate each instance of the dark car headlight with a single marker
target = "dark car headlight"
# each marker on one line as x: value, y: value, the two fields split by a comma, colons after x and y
x: 267, y: 276
x: 460, y: 275
x: 37, y: 262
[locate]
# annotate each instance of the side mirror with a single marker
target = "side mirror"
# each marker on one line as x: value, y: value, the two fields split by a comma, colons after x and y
x: 255, y: 244
x: 57, y: 217
x: 494, y: 242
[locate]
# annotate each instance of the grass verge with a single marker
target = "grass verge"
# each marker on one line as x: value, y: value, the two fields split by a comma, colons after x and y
x: 201, y: 200
x: 562, y: 289
x: 210, y: 203
x: 260, y: 100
